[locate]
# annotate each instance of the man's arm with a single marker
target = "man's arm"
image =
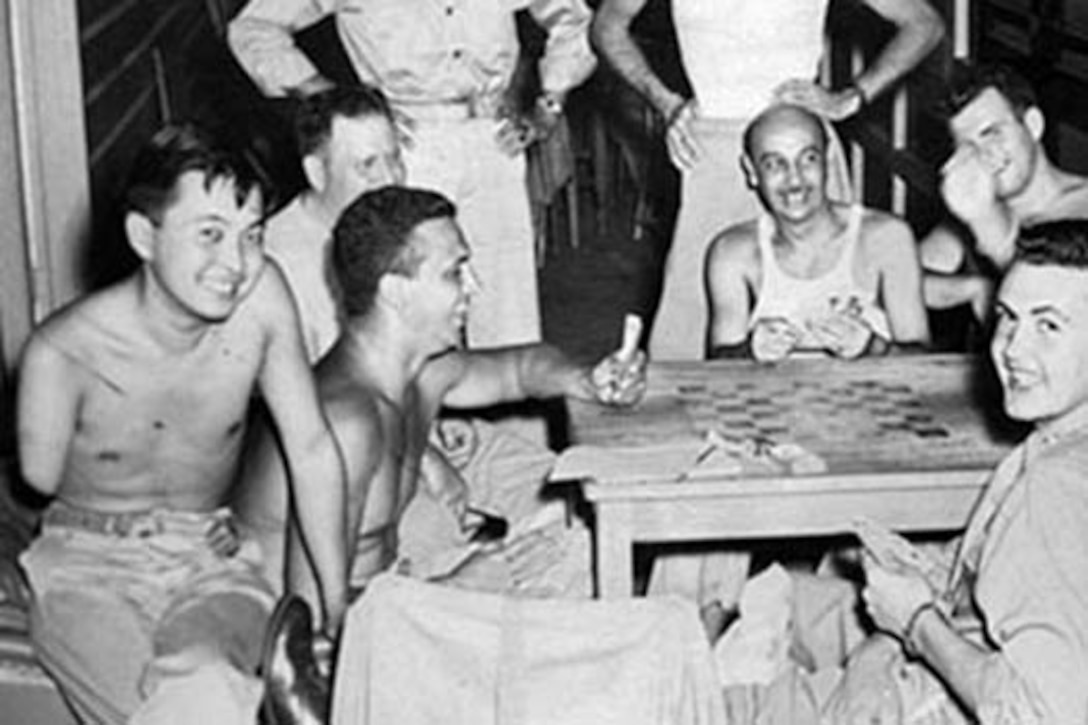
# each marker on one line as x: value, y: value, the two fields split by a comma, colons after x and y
x: 46, y: 405
x: 918, y: 30
x: 900, y: 282
x: 313, y: 460
x: 612, y: 37
x: 568, y: 59
x: 727, y: 260
x: 261, y: 37
x: 1034, y: 673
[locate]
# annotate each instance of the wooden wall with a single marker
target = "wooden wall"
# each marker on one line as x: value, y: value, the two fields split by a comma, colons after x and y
x: 146, y: 62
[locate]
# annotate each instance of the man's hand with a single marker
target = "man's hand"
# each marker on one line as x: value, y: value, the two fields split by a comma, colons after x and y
x: 519, y: 131
x: 891, y: 597
x: 833, y: 105
x: 773, y: 339
x: 620, y: 378
x: 684, y: 147
x: 843, y: 331
x: 968, y: 185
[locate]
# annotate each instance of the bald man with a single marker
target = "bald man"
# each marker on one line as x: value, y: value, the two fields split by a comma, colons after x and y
x: 808, y: 275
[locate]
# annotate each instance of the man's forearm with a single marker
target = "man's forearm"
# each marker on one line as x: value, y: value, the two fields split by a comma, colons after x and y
x: 545, y: 371
x: 919, y: 29
x: 612, y: 37
x: 568, y: 59
x: 320, y: 502
x: 961, y: 664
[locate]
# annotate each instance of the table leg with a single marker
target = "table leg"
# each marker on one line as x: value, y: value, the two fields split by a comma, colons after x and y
x: 615, y: 562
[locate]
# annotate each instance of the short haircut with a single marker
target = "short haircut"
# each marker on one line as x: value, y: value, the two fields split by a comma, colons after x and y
x: 371, y: 240
x: 750, y: 129
x: 1059, y: 243
x: 970, y: 80
x: 177, y: 149
x: 315, y: 114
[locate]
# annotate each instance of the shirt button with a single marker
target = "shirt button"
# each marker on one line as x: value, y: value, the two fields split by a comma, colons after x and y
x: 449, y: 11
x: 457, y: 53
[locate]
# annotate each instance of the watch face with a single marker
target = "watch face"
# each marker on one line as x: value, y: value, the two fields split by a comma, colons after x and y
x: 551, y: 104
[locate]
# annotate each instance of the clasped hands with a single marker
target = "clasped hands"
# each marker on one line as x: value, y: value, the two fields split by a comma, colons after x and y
x: 842, y: 331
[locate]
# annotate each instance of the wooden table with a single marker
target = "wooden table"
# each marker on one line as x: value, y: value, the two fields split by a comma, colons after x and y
x: 907, y: 441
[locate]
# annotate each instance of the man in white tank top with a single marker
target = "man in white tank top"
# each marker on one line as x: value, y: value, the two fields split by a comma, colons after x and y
x: 809, y: 275
x: 739, y: 56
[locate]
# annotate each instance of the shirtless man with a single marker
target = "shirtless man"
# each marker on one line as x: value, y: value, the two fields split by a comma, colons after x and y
x: 131, y: 412
x: 825, y: 277
x: 348, y: 145
x: 998, y: 179
x: 403, y: 267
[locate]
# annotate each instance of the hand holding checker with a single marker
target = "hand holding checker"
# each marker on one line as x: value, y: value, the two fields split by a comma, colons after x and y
x: 620, y: 378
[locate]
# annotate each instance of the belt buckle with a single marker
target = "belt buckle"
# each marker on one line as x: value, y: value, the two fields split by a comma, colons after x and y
x: 142, y: 526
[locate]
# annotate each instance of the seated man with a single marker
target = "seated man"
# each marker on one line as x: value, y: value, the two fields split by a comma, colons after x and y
x: 348, y: 145
x: 1004, y: 638
x: 998, y: 633
x: 998, y: 179
x: 132, y: 409
x: 824, y: 277
x: 403, y: 267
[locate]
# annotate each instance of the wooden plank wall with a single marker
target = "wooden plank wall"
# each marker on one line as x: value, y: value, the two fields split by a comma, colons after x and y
x: 146, y: 62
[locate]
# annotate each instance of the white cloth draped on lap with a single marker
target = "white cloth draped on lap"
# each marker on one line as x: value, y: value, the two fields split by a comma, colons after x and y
x: 415, y: 653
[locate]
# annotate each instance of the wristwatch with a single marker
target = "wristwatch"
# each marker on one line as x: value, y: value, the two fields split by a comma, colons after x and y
x: 550, y: 103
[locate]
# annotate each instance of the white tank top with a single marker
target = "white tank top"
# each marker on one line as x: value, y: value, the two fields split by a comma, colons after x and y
x: 800, y: 300
x: 736, y: 52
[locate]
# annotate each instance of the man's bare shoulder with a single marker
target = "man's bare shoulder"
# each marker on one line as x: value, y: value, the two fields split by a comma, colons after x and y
x: 884, y: 235
x: 353, y: 409
x: 735, y: 248
x: 88, y: 327
x: 1073, y: 202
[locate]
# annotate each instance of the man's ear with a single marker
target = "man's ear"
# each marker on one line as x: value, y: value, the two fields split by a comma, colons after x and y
x: 751, y: 178
x: 314, y: 169
x: 1035, y: 122
x: 393, y: 290
x: 140, y: 232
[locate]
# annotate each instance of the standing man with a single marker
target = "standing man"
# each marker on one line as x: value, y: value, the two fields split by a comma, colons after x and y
x: 132, y: 408
x: 809, y: 275
x: 446, y: 68
x: 348, y: 144
x: 998, y: 180
x: 739, y: 56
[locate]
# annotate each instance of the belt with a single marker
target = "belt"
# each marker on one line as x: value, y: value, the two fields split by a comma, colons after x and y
x: 482, y: 107
x: 142, y: 524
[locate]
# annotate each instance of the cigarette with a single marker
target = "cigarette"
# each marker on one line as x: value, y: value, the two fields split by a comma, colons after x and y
x: 632, y: 331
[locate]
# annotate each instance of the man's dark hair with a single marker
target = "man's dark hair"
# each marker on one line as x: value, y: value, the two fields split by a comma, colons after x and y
x: 371, y: 240
x: 180, y: 148
x: 970, y: 80
x: 1059, y: 243
x: 315, y: 114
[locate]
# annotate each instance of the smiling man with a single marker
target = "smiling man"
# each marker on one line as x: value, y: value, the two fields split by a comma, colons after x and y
x: 403, y: 267
x: 132, y: 408
x: 1005, y: 639
x: 826, y: 278
x: 998, y: 179
x: 348, y: 145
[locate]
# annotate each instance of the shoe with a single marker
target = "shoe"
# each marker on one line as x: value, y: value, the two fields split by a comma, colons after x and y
x: 296, y: 693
